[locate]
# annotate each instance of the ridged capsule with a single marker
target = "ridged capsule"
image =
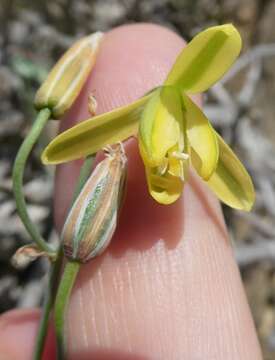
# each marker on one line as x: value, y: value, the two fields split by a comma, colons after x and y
x: 68, y: 76
x: 93, y: 218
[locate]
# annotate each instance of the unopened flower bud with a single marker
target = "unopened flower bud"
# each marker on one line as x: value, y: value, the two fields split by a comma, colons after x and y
x: 67, y: 77
x: 93, y: 218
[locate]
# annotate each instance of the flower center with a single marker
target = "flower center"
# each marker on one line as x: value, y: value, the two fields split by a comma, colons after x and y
x: 174, y: 164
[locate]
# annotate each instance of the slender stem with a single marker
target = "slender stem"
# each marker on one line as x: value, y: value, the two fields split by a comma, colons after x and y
x: 83, y: 175
x: 17, y: 177
x: 55, y: 271
x: 47, y: 306
x: 62, y: 298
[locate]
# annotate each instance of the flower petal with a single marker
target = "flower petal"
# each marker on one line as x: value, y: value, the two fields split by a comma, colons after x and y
x: 93, y: 134
x: 205, y: 59
x: 161, y: 126
x: 231, y: 182
x: 202, y: 139
x: 165, y: 189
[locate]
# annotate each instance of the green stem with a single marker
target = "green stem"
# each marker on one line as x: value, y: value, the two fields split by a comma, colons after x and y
x: 17, y: 177
x: 55, y: 271
x: 62, y: 298
x: 85, y: 172
x: 47, y: 306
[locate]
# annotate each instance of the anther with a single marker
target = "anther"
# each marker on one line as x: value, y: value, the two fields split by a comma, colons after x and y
x: 180, y: 155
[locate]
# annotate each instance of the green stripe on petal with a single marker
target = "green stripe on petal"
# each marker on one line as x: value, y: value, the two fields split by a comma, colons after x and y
x: 93, y: 134
x: 231, y: 182
x: 161, y: 126
x: 202, y: 139
x: 205, y: 59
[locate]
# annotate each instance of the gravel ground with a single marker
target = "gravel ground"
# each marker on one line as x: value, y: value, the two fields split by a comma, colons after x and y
x: 34, y: 34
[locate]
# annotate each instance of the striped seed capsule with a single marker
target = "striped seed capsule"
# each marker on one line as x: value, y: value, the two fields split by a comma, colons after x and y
x: 68, y: 76
x: 93, y: 218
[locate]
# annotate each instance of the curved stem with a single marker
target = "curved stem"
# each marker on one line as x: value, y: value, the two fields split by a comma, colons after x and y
x: 62, y: 298
x: 17, y: 177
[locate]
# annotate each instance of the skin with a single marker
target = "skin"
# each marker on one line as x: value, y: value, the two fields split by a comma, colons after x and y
x: 168, y: 286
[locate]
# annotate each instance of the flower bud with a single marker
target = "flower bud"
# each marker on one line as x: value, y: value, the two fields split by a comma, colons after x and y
x: 67, y: 77
x: 93, y: 218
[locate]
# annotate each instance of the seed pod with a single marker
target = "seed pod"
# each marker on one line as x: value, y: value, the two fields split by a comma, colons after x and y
x: 93, y: 218
x: 67, y: 77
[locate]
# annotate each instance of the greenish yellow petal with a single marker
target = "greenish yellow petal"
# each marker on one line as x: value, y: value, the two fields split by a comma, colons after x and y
x: 231, y: 182
x: 91, y: 135
x: 162, y: 143
x: 161, y: 126
x: 205, y: 59
x: 165, y: 189
x: 201, y: 138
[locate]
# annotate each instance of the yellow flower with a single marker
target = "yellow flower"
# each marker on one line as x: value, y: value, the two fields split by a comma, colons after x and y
x: 172, y: 130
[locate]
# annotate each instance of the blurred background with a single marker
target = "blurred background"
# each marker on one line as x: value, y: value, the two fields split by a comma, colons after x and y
x: 32, y: 36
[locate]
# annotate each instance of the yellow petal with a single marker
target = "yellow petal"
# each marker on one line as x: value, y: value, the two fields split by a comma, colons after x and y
x: 68, y: 76
x: 201, y: 138
x: 93, y: 134
x: 231, y: 182
x: 205, y: 59
x: 161, y: 126
x: 165, y: 189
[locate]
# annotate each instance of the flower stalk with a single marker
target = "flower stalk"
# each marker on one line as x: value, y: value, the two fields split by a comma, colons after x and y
x: 47, y: 305
x: 61, y: 301
x: 17, y: 177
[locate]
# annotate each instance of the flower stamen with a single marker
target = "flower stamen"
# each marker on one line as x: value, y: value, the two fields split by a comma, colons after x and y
x: 180, y: 155
x: 161, y: 170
